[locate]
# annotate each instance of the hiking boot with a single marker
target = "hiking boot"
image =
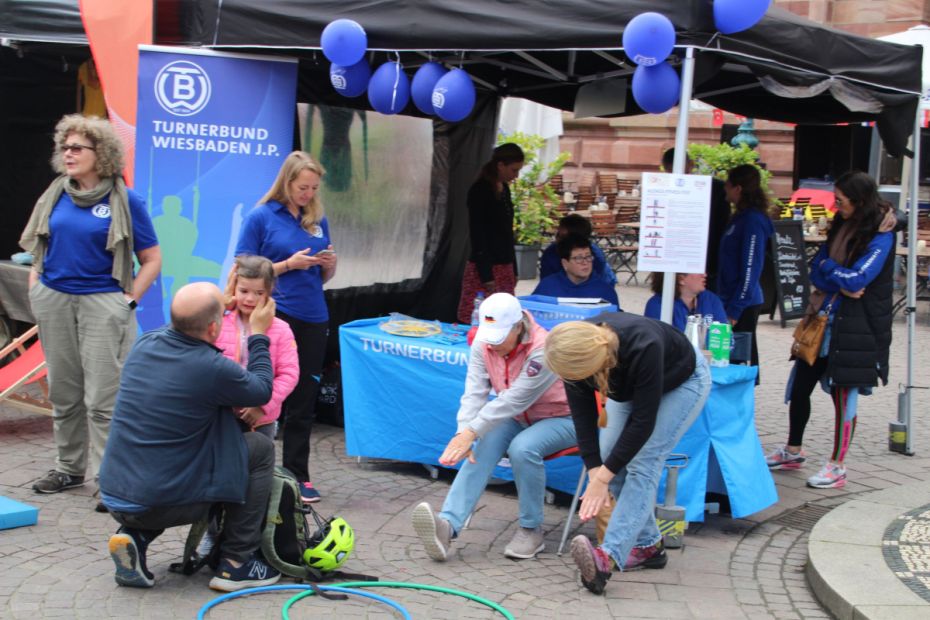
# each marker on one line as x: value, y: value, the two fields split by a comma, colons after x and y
x: 781, y: 458
x: 252, y: 574
x: 55, y: 482
x: 127, y: 548
x: 435, y: 532
x: 308, y: 494
x: 526, y: 543
x: 830, y: 476
x: 593, y: 562
x: 652, y: 556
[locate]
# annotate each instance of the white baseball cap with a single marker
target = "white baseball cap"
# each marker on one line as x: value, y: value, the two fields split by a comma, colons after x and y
x: 497, y: 316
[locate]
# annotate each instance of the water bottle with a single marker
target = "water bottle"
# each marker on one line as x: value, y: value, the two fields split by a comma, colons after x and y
x: 475, y: 316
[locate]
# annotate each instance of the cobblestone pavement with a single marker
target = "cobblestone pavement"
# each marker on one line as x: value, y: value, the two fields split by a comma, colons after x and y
x: 748, y: 568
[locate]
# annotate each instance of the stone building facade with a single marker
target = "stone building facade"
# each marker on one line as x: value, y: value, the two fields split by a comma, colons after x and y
x: 629, y: 146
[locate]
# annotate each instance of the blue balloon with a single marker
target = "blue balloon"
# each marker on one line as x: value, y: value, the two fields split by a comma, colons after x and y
x: 421, y: 88
x: 454, y: 96
x: 350, y: 81
x: 649, y: 38
x: 389, y: 88
x: 737, y: 15
x: 344, y: 42
x: 657, y: 88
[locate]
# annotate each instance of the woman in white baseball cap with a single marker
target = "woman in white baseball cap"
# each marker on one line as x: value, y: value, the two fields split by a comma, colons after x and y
x: 527, y: 421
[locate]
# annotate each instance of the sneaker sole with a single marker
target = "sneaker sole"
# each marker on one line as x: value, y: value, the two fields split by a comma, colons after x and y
x: 227, y: 585
x: 126, y: 558
x: 73, y: 485
x: 786, y: 466
x: 583, y: 558
x: 424, y: 524
x: 523, y: 556
x: 651, y: 563
x: 836, y: 484
x: 310, y: 500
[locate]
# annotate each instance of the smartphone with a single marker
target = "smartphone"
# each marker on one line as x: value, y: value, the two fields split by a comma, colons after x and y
x: 326, y: 251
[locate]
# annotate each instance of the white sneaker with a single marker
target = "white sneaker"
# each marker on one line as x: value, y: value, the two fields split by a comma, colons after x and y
x: 830, y: 476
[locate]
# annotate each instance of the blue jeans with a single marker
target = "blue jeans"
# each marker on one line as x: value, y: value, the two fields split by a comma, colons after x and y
x: 526, y: 446
x: 633, y: 520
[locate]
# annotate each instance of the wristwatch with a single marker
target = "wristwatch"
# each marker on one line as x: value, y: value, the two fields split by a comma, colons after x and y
x: 132, y: 303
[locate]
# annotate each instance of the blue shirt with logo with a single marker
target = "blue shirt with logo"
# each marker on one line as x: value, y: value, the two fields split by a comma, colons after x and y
x: 77, y: 261
x: 271, y: 231
x: 559, y: 285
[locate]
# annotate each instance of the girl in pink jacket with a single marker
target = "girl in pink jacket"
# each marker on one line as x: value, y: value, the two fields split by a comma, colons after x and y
x: 251, y: 280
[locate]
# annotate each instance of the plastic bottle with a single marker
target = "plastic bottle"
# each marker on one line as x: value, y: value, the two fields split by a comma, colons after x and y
x: 475, y: 316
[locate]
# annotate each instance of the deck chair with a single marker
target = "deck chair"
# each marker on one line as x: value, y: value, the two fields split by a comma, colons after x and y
x: 27, y: 368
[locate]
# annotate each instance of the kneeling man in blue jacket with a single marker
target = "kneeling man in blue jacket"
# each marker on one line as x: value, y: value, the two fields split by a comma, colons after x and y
x: 176, y: 448
x: 575, y: 278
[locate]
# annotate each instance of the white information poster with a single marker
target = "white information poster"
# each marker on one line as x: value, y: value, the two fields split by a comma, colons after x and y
x: 673, y: 218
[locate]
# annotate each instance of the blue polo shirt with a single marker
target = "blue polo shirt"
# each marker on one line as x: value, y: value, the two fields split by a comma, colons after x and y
x: 77, y: 261
x: 558, y: 285
x: 707, y: 304
x: 271, y: 231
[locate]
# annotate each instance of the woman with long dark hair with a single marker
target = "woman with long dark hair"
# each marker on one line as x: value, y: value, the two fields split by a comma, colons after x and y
x: 491, y: 268
x: 852, y: 279
x: 742, y: 251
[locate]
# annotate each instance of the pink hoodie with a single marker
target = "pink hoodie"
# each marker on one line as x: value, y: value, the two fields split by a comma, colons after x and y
x: 283, y: 349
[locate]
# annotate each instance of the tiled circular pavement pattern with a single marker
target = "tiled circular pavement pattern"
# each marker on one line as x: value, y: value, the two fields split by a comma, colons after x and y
x: 906, y: 547
x: 749, y: 568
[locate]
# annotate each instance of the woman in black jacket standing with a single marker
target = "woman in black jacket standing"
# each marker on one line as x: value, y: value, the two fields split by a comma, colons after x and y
x: 852, y: 284
x: 491, y: 267
x: 656, y: 384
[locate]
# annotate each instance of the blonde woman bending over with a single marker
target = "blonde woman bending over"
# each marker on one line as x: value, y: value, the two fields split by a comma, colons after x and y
x: 656, y: 384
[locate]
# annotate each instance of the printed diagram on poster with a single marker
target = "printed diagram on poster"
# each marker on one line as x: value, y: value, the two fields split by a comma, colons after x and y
x: 673, y: 226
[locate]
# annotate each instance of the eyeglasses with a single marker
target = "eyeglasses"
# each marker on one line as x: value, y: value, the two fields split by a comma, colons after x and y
x: 75, y: 148
x: 581, y: 260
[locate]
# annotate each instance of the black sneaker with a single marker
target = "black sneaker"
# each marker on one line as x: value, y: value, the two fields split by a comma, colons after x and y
x: 127, y: 548
x: 55, y: 481
x: 252, y: 574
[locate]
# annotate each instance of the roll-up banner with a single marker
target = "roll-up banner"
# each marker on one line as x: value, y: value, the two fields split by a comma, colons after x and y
x: 212, y: 132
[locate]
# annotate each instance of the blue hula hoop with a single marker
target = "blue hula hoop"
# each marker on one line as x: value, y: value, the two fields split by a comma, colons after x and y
x: 245, y: 592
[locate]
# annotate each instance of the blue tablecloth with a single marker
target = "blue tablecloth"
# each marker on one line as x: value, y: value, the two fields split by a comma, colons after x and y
x: 401, y: 395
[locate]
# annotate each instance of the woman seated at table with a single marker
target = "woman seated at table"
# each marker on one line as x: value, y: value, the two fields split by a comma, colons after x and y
x: 656, y: 385
x: 550, y: 261
x: 528, y: 421
x: 690, y: 298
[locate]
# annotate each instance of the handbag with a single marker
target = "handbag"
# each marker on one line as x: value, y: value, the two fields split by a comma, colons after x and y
x: 808, y: 335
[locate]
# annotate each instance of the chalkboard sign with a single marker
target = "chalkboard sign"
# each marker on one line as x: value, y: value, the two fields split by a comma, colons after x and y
x: 789, y: 263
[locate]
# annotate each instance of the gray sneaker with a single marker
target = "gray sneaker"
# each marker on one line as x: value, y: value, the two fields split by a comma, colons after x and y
x: 435, y: 533
x: 526, y: 544
x: 55, y: 481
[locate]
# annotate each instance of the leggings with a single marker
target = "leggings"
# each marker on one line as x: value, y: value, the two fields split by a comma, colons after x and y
x: 799, y: 411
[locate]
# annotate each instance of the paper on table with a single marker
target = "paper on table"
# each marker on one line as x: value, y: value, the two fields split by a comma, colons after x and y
x: 582, y: 301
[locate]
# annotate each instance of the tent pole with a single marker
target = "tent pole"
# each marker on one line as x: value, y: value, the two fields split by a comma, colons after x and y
x: 678, y: 167
x: 904, y: 417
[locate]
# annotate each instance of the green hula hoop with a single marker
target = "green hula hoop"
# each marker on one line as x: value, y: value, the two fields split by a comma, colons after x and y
x: 400, y: 584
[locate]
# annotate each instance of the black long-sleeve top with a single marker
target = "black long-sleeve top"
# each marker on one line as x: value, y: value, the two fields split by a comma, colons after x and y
x: 490, y: 227
x: 653, y: 359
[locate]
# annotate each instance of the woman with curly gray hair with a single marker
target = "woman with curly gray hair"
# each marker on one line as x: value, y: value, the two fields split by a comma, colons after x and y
x: 83, y: 233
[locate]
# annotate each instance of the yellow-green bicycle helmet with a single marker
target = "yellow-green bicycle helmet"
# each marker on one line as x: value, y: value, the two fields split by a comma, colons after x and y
x: 330, y: 547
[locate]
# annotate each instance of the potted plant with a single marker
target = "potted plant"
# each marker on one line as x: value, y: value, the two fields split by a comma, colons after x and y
x: 534, y: 201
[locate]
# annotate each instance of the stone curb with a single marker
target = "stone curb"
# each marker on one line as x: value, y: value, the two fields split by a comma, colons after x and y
x: 847, y: 569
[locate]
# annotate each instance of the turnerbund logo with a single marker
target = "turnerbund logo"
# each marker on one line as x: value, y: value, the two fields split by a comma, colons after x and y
x: 182, y: 88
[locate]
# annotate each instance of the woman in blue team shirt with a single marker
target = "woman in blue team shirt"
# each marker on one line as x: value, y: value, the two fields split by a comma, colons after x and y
x: 742, y: 252
x: 83, y: 233
x: 852, y: 282
x: 288, y: 227
x: 690, y: 298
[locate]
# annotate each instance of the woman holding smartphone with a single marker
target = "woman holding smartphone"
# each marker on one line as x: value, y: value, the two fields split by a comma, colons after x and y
x: 288, y: 228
